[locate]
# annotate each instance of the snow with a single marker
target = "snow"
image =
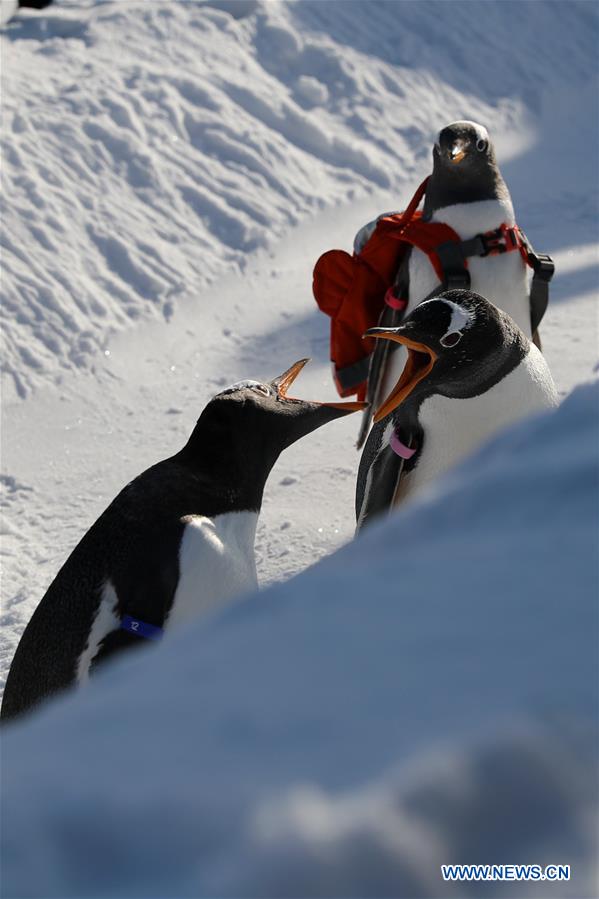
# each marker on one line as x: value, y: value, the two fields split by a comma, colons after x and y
x: 133, y: 186
x: 316, y: 733
x: 172, y: 171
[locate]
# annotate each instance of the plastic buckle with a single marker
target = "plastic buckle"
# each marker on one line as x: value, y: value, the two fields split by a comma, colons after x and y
x: 543, y: 266
x: 494, y: 242
x: 513, y: 240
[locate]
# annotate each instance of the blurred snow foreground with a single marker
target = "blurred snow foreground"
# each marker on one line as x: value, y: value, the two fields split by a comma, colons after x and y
x: 426, y: 695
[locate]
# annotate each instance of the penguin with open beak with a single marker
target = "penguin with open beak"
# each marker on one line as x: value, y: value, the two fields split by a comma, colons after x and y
x: 177, y: 541
x: 469, y: 371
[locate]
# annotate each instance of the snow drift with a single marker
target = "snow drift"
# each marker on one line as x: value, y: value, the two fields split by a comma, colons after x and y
x: 427, y: 695
x: 151, y: 146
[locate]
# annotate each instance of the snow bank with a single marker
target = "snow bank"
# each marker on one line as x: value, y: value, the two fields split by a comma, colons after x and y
x: 427, y: 695
x: 148, y: 147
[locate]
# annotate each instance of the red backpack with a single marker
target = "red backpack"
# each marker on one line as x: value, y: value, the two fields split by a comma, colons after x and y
x: 353, y: 289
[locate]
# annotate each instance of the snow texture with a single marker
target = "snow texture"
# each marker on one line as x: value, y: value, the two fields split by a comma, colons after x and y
x: 171, y: 172
x: 160, y: 143
x: 427, y: 695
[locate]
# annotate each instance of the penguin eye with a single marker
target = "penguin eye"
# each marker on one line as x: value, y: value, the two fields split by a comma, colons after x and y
x: 481, y: 145
x: 451, y: 339
x: 262, y: 388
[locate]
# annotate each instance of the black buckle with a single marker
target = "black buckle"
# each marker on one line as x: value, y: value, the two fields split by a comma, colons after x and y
x: 494, y: 242
x: 455, y: 273
x: 543, y: 266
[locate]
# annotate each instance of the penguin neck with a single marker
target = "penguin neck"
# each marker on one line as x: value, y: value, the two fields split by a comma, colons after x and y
x: 231, y: 471
x: 443, y: 191
x: 472, y: 218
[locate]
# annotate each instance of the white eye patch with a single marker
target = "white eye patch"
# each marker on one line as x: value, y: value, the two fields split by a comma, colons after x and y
x: 482, y: 135
x: 247, y: 385
x: 460, y: 318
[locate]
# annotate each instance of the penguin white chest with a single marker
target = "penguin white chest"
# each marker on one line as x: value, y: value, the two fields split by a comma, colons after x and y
x: 501, y: 279
x: 455, y: 428
x: 216, y: 563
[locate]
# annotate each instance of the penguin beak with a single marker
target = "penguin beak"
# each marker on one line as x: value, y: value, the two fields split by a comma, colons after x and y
x: 457, y: 152
x: 284, y: 382
x: 421, y: 360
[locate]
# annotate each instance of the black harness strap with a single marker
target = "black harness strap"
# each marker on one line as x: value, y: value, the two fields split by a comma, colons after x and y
x: 453, y: 255
x: 543, y: 268
x: 453, y: 262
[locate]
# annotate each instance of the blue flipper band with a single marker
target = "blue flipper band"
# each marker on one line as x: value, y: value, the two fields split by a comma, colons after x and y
x: 140, y: 628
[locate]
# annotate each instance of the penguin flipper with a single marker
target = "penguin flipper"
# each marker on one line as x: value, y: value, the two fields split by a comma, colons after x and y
x: 377, y: 369
x: 376, y: 372
x: 378, y: 476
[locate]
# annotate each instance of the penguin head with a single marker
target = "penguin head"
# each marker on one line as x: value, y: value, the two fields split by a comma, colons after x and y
x: 465, y: 169
x: 463, y: 147
x: 456, y: 343
x: 262, y: 415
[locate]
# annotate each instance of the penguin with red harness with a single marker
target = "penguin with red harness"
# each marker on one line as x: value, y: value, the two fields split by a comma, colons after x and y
x: 465, y: 237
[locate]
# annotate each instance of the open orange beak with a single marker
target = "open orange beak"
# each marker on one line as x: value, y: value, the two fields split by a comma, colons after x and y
x: 284, y: 382
x: 421, y: 360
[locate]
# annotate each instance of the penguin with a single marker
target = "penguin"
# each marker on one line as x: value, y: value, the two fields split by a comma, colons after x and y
x: 177, y: 541
x: 467, y: 192
x: 470, y: 371
x: 9, y: 8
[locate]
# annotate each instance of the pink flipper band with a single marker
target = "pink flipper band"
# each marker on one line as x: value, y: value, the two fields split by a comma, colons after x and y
x: 400, y: 448
x: 393, y: 301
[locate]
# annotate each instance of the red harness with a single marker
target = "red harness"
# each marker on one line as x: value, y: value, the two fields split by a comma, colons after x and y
x: 353, y: 290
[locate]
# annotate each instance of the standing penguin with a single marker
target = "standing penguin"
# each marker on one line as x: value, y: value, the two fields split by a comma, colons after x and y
x: 467, y: 193
x: 178, y: 540
x: 470, y: 371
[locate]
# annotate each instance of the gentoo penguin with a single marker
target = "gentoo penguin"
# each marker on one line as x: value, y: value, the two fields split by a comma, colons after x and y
x: 467, y: 192
x: 178, y: 540
x: 470, y: 371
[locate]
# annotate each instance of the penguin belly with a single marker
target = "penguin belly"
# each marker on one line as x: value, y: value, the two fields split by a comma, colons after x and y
x: 455, y: 428
x: 216, y: 563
